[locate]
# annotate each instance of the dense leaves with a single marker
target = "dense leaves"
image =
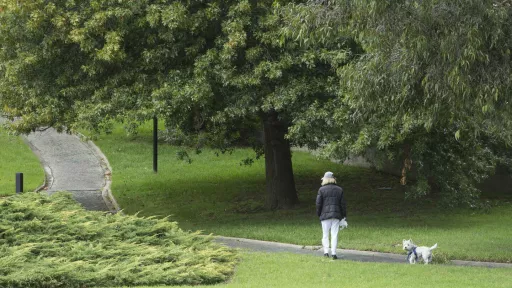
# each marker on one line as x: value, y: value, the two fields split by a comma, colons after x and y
x: 69, y: 63
x: 424, y: 84
x: 430, y: 89
x: 200, y: 65
x: 219, y: 69
x: 52, y: 242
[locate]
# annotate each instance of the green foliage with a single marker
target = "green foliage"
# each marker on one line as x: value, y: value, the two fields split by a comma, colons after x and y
x: 430, y: 87
x: 211, y: 67
x: 66, y: 63
x: 52, y: 242
x: 425, y: 83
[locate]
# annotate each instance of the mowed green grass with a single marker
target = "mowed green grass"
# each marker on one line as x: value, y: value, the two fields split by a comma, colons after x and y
x: 218, y: 195
x: 288, y: 270
x: 16, y: 156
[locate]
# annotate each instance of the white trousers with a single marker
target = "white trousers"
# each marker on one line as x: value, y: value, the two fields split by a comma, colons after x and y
x: 334, y: 226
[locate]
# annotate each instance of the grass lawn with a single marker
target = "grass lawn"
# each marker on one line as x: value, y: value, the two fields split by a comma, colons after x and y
x: 288, y: 270
x: 16, y: 156
x: 217, y: 195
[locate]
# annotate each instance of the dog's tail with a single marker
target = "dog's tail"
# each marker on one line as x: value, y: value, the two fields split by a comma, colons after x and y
x: 433, y: 247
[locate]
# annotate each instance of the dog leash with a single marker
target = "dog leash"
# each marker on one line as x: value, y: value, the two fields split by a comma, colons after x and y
x: 413, y: 251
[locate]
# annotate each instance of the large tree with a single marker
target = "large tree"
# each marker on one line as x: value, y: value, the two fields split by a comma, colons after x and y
x: 213, y: 67
x: 430, y: 89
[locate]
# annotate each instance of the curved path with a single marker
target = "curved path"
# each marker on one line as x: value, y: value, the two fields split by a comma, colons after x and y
x: 343, y: 254
x: 70, y: 165
x: 81, y: 168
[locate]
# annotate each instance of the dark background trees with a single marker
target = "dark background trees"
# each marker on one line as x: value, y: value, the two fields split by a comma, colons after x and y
x: 430, y: 91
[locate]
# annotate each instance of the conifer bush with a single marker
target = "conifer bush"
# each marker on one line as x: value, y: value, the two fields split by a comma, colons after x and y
x: 53, y: 242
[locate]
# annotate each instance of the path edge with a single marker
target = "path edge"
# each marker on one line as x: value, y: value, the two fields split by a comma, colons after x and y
x: 106, y: 192
x: 373, y: 254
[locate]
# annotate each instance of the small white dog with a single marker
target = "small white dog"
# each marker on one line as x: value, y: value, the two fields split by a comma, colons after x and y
x: 413, y: 252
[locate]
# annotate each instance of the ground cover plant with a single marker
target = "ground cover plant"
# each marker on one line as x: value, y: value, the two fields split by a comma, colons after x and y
x: 216, y: 194
x: 288, y: 270
x: 52, y: 242
x: 16, y: 156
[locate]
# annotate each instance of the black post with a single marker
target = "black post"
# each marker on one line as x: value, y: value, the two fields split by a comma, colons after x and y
x: 19, y: 183
x: 155, y: 144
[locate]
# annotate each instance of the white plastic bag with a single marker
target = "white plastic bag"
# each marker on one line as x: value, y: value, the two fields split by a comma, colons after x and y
x: 343, y: 224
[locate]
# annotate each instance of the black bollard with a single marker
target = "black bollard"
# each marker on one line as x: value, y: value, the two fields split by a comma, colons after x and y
x: 19, y: 183
x: 155, y: 144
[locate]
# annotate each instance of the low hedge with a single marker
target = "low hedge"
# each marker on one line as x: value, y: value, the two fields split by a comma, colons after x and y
x: 53, y: 242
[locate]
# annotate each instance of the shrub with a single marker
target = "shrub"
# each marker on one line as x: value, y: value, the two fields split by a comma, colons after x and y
x: 52, y: 242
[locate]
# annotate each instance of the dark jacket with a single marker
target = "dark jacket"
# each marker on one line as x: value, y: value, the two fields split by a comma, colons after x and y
x: 330, y: 202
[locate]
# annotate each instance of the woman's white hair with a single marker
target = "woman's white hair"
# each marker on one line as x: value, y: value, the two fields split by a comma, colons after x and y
x: 326, y: 181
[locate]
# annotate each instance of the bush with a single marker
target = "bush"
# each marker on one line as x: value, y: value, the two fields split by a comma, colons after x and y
x: 52, y: 242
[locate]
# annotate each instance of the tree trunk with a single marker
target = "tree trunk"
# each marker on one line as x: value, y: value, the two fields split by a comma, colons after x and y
x: 281, y: 192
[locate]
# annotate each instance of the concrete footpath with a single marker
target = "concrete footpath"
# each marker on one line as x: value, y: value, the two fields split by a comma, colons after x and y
x: 343, y: 254
x: 81, y: 168
x: 72, y: 165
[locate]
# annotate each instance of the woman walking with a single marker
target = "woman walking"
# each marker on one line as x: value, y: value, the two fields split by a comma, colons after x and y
x: 332, y: 211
